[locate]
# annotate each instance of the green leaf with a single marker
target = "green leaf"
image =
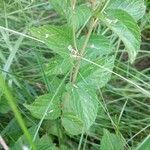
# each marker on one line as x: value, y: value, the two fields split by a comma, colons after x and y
x: 98, y: 45
x: 111, y: 142
x: 61, y: 6
x: 72, y: 124
x: 95, y: 76
x: 58, y: 66
x: 57, y: 38
x: 12, y: 129
x: 80, y: 106
x: 54, y: 83
x: 45, y: 143
x: 53, y: 128
x: 126, y: 28
x: 135, y: 8
x: 80, y: 17
x: 38, y: 107
x: 4, y: 107
x: 145, y: 144
x: 63, y: 147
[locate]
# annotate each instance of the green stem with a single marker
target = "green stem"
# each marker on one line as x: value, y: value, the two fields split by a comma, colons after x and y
x: 73, y: 5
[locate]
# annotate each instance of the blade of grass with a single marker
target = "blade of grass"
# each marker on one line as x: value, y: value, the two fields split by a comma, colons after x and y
x: 12, y: 55
x: 18, y: 33
x: 11, y: 102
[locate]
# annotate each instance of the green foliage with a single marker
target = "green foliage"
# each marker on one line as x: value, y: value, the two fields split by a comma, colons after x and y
x: 97, y: 46
x: 94, y: 76
x: 80, y: 17
x: 4, y: 106
x: 12, y: 129
x: 79, y: 47
x: 111, y: 141
x: 12, y: 103
x: 57, y: 66
x: 43, y: 143
x: 22, y: 141
x: 135, y: 8
x: 80, y: 104
x: 61, y: 6
x: 126, y: 28
x: 80, y: 107
x: 57, y: 38
x: 38, y: 107
x: 120, y: 18
x: 145, y: 144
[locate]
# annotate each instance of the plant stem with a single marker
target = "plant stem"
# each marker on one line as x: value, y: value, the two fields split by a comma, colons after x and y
x: 83, y: 50
x: 73, y: 4
x: 86, y: 40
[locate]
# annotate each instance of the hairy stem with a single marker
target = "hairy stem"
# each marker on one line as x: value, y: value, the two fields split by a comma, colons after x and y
x: 73, y: 5
x: 83, y: 50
